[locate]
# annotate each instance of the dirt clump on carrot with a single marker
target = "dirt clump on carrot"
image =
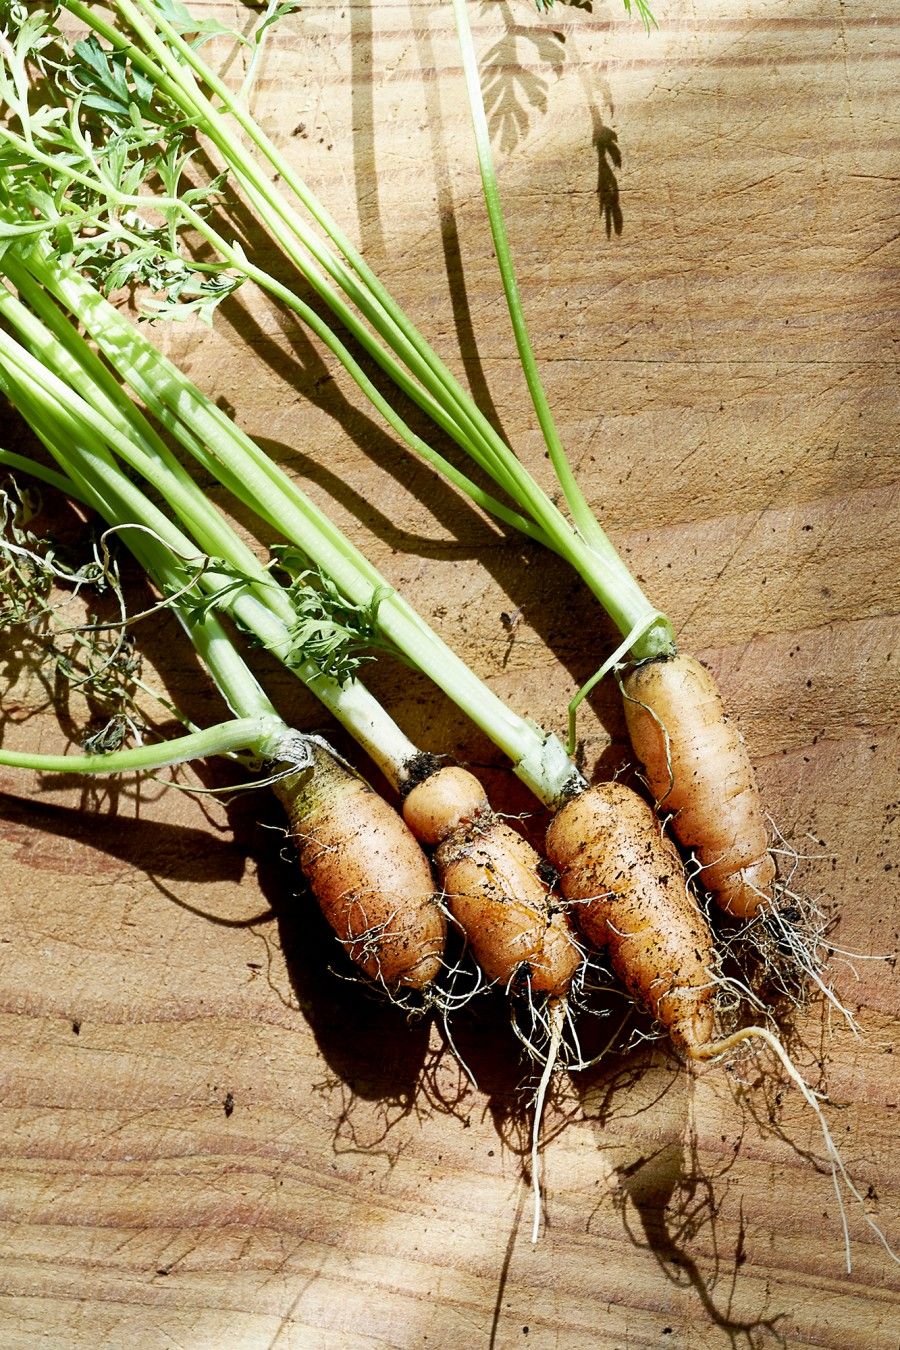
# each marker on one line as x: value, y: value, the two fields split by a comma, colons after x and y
x: 698, y: 768
x: 370, y: 877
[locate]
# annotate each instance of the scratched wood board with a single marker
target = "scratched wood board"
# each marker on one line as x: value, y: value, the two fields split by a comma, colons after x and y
x: 209, y: 1139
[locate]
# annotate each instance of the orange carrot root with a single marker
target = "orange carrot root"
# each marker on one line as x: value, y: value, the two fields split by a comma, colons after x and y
x: 627, y: 891
x: 370, y: 877
x: 698, y: 768
x: 492, y: 884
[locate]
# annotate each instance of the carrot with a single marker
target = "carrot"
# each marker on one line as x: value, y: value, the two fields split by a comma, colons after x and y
x: 370, y: 877
x: 697, y: 767
x: 628, y: 893
x: 492, y: 884
x: 495, y: 890
x: 626, y: 887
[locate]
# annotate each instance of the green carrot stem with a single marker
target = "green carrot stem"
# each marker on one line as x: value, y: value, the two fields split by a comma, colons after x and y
x: 25, y: 464
x: 174, y: 74
x: 218, y: 540
x: 584, y: 518
x: 260, y: 734
x: 235, y: 258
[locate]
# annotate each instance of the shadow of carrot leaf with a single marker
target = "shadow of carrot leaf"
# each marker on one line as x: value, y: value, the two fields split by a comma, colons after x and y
x: 515, y: 78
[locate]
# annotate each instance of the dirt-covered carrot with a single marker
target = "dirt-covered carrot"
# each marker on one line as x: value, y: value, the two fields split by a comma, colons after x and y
x: 626, y: 887
x: 370, y: 877
x: 628, y: 895
x: 698, y: 768
x: 492, y: 884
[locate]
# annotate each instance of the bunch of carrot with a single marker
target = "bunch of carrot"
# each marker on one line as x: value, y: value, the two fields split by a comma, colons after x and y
x: 128, y: 104
x: 615, y: 868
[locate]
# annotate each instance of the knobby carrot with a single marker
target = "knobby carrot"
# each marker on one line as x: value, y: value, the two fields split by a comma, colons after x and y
x: 492, y: 884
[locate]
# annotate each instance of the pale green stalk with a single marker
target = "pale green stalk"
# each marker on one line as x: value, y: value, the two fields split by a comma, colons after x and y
x: 23, y: 464
x: 259, y: 734
x: 137, y: 443
x: 173, y: 75
x: 584, y: 518
x: 257, y: 726
x: 471, y: 430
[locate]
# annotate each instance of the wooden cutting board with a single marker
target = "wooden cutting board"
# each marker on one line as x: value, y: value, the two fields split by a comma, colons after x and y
x: 206, y: 1138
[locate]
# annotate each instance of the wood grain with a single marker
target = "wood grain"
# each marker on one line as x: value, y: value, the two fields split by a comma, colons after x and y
x: 208, y: 1140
